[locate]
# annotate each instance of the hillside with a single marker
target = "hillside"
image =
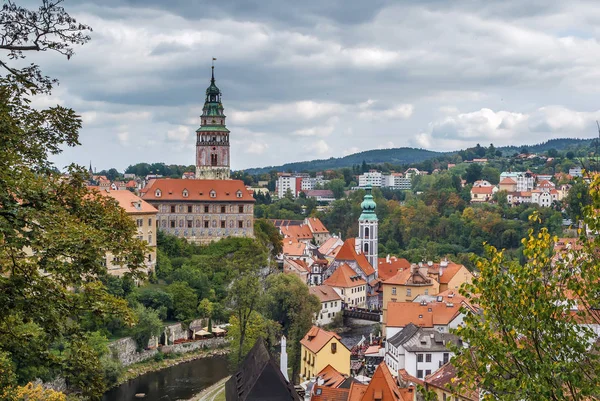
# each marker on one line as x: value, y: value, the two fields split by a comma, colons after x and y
x: 377, y: 156
x: 411, y: 155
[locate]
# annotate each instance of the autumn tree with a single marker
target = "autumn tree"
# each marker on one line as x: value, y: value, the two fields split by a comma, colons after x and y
x: 54, y: 232
x: 533, y: 339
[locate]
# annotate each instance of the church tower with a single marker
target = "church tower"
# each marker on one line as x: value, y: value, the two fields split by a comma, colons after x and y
x: 212, y: 138
x: 368, y: 229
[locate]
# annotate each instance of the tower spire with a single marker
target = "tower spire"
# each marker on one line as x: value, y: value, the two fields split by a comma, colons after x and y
x: 212, y: 80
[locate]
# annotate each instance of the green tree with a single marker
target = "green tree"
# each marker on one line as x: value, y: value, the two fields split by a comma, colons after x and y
x: 244, y: 299
x: 185, y: 301
x: 337, y: 186
x: 577, y: 199
x: 473, y: 173
x: 54, y: 233
x: 149, y: 325
x: 255, y: 328
x: 205, y: 308
x: 490, y: 174
x: 528, y: 342
x: 288, y: 302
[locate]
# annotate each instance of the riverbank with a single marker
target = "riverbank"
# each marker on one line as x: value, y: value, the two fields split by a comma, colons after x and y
x: 153, y: 365
x: 216, y: 392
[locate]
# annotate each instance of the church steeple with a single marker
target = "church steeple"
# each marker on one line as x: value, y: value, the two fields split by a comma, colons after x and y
x: 368, y: 227
x: 212, y: 138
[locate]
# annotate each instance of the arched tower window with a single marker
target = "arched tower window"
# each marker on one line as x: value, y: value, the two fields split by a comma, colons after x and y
x: 213, y: 160
x: 366, y: 248
x: 366, y: 232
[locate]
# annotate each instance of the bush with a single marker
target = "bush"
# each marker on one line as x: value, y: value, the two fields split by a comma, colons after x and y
x: 112, y: 368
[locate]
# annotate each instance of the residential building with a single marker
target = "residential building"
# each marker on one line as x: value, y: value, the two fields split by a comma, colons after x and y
x: 576, y: 172
x: 507, y: 184
x: 144, y: 215
x: 450, y: 275
x: 482, y: 191
x: 308, y: 230
x: 441, y: 316
x: 320, y: 195
x: 291, y: 182
x: 406, y: 285
x: 373, y: 178
x: 316, y: 271
x: 445, y: 384
x: 525, y: 180
x: 319, y: 348
x: 331, y: 303
x: 310, y: 183
x: 202, y: 211
x: 260, y: 378
x: 411, y: 172
x: 212, y: 138
x: 397, y: 181
x: 297, y: 267
x: 390, y: 265
x: 317, y: 228
x: 296, y: 250
x: 349, y: 285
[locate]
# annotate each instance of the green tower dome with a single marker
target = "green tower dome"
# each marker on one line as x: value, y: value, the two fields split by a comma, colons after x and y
x: 368, y: 206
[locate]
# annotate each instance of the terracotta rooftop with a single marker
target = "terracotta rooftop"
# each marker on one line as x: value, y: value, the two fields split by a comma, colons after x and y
x: 293, y: 248
x: 389, y: 267
x: 317, y: 225
x: 507, y: 181
x: 329, y: 245
x: 383, y: 387
x: 299, y: 232
x: 324, y: 393
x: 400, y: 314
x: 167, y: 189
x: 357, y: 390
x: 445, y: 378
x: 129, y: 201
x: 344, y: 277
x: 331, y: 377
x: 317, y: 338
x: 348, y: 252
x: 325, y: 293
x: 482, y: 190
x: 448, y: 272
x: 411, y: 276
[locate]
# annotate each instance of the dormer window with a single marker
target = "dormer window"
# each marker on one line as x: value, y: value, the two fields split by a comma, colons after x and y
x: 213, y: 194
x: 238, y: 194
x: 185, y: 193
x: 158, y: 193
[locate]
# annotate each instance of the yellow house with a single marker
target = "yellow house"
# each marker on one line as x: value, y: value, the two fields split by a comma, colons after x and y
x: 450, y: 275
x: 320, y: 348
x: 144, y: 215
x: 408, y: 284
x: 349, y: 285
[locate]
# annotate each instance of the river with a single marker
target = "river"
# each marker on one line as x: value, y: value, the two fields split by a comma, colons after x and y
x: 179, y: 382
x: 183, y: 381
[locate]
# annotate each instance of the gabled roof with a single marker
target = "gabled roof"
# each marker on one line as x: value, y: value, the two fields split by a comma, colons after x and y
x: 172, y: 189
x: 507, y: 181
x: 325, y: 293
x: 482, y: 190
x: 317, y: 338
x: 316, y: 225
x: 389, y: 267
x: 331, y: 377
x: 430, y: 340
x: 445, y: 378
x: 299, y: 232
x: 324, y: 393
x: 401, y: 314
x: 344, y: 277
x: 357, y: 390
x: 293, y: 248
x: 412, y: 276
x: 383, y: 387
x: 403, y: 335
x: 448, y: 272
x: 297, y: 264
x: 329, y: 245
x: 129, y: 201
x: 348, y: 253
x: 259, y: 378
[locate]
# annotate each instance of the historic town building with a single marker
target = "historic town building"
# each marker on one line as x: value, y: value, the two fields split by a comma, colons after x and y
x: 212, y: 138
x: 202, y: 211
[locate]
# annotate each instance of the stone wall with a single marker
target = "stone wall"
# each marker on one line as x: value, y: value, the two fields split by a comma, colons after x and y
x: 125, y: 349
x: 175, y: 332
x: 182, y: 348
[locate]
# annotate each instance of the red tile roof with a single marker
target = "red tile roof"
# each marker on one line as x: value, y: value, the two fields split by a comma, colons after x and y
x: 299, y: 232
x: 482, y: 190
x: 348, y: 252
x: 331, y: 377
x: 357, y: 390
x: 323, y: 393
x: 169, y: 189
x: 445, y: 378
x: 388, y: 269
x: 317, y: 338
x: 129, y: 201
x: 507, y: 181
x: 293, y: 248
x: 448, y: 272
x: 400, y: 314
x: 317, y: 225
x: 383, y: 387
x: 325, y: 293
x: 344, y: 277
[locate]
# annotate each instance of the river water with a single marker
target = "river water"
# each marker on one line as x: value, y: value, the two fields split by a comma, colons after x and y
x: 179, y: 382
x: 183, y: 381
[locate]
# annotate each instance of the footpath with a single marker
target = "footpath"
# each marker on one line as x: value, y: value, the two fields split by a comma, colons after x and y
x: 216, y: 392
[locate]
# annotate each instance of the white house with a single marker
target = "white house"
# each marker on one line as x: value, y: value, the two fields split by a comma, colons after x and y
x: 331, y: 303
x: 419, y: 351
x: 372, y: 177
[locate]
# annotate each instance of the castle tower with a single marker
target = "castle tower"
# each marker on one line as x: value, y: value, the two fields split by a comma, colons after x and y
x: 368, y: 229
x: 212, y: 138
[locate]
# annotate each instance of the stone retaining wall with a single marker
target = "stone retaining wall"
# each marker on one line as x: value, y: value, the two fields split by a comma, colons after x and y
x: 182, y: 348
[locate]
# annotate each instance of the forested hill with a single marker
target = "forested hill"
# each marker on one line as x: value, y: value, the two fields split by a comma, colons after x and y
x: 377, y: 156
x: 398, y: 156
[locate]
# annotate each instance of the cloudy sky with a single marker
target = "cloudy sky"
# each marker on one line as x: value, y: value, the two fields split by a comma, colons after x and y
x: 315, y: 79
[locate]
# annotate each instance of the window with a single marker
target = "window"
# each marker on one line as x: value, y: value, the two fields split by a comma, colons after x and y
x: 189, y: 209
x: 419, y: 374
x: 240, y: 224
x: 408, y: 292
x: 149, y: 257
x: 223, y: 209
x: 419, y: 357
x: 222, y: 223
x: 140, y: 222
x: 444, y: 397
x: 366, y: 232
x: 190, y: 223
x: 393, y: 290
x: 150, y: 239
x: 238, y: 194
x: 427, y: 357
x: 198, y: 223
x: 172, y: 209
x: 427, y: 292
x: 157, y: 193
x: 241, y: 209
x: 150, y: 222
x: 185, y: 193
x: 206, y: 209
x: 213, y: 194
x: 333, y: 348
x: 427, y: 372
x: 205, y: 223
x: 366, y: 248
x: 172, y: 223
x: 446, y: 357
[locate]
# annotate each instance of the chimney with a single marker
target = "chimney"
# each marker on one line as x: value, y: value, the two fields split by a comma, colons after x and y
x: 283, y: 362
